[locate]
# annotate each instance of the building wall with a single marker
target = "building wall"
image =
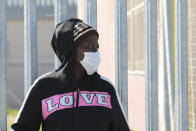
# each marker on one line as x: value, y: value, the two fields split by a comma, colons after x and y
x: 136, y: 99
x: 136, y: 77
x: 191, y: 19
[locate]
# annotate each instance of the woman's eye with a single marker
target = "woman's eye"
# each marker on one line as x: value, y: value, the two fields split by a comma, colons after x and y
x: 91, y: 47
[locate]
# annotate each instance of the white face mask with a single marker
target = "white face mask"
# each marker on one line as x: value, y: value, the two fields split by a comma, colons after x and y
x: 91, y: 62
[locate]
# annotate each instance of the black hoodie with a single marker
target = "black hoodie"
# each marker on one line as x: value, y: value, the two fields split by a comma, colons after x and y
x: 61, y: 103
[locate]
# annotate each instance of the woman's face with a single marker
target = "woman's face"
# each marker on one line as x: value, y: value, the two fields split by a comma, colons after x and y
x: 88, y: 43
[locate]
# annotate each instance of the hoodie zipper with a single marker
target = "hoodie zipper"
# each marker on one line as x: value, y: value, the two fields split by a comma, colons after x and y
x: 77, y: 102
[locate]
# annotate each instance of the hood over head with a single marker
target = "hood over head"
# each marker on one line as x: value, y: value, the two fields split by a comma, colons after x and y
x: 65, y: 35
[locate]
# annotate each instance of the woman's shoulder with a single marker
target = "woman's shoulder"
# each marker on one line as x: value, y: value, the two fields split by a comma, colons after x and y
x: 105, y: 79
x: 45, y: 80
x: 107, y: 82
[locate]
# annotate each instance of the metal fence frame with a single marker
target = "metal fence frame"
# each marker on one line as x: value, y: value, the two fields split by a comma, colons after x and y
x: 3, y: 68
x: 181, y: 66
x: 151, y: 65
x: 30, y: 43
x: 121, y: 64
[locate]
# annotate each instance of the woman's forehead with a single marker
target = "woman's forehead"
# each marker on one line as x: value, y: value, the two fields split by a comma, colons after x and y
x: 88, y: 39
x: 91, y: 38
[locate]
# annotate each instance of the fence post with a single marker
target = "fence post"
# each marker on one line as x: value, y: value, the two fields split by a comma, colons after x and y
x: 30, y: 42
x: 166, y: 85
x: 169, y: 63
x: 121, y: 70
x: 64, y: 9
x: 91, y: 12
x: 3, y: 68
x: 181, y: 66
x: 151, y: 65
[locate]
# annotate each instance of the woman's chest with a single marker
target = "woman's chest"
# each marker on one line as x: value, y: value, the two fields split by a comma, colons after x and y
x: 74, y: 100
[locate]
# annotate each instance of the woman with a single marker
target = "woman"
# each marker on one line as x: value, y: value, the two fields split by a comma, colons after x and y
x: 73, y: 97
